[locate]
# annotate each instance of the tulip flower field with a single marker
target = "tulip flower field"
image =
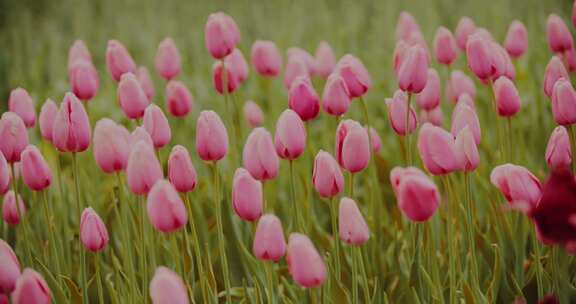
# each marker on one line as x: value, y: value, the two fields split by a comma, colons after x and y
x: 175, y: 152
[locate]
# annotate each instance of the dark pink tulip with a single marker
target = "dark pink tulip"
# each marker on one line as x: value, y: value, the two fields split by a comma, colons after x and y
x: 558, y: 151
x: 506, y: 96
x: 118, y: 60
x: 295, y: 67
x: 247, y: 198
x: 355, y: 75
x: 111, y: 145
x: 166, y: 211
x: 406, y: 26
x: 266, y: 58
x: 258, y: 156
x: 156, y: 124
x: 574, y: 14
x: 181, y: 172
x: 559, y: 36
x: 9, y: 268
x: 352, y: 146
x: 93, y: 232
x: 143, y: 169
x: 480, y: 57
x: 304, y: 262
x: 167, y: 62
x: 445, y: 48
x: 71, y: 131
x: 269, y: 242
x: 397, y: 114
x: 325, y: 60
x: 351, y: 224
x: 327, y: 176
x: 46, y: 118
x: 146, y: 83
x: 400, y: 51
x: 5, y: 176
x: 520, y: 187
x: 221, y: 35
x: 417, y: 196
x: 437, y: 149
x: 78, y: 52
x: 14, y: 136
x: 467, y: 150
x: 10, y: 212
x: 564, y: 102
x: 398, y: 173
x: 570, y: 59
x: 434, y: 116
x: 464, y: 29
x: 232, y: 81
x: 303, y: 99
x: 22, y: 104
x: 429, y: 97
x: 465, y: 115
x: 253, y: 114
x: 516, y: 42
x: 211, y: 137
x: 36, y: 173
x: 413, y: 72
x: 31, y: 288
x: 131, y: 96
x: 290, y: 137
x: 554, y: 71
x: 167, y: 287
x: 238, y: 65
x: 376, y: 141
x: 336, y: 97
x: 179, y: 100
x: 140, y: 134
x: 84, y: 80
x: 458, y: 84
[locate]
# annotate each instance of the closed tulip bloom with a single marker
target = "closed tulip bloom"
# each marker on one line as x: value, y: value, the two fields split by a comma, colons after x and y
x: 232, y: 81
x: 290, y: 137
x: 14, y: 136
x: 413, y: 72
x: 417, y: 196
x: 558, y: 151
x: 266, y: 58
x: 458, y: 84
x: 181, y: 172
x: 9, y: 268
x: 304, y: 262
x: 10, y: 212
x: 397, y: 114
x: 467, y: 150
x: 71, y: 131
x: 376, y: 141
x: 506, y: 96
x: 336, y: 97
x: 406, y: 26
x: 247, y: 198
x: 93, y: 232
x: 479, y: 53
x: 140, y: 134
x: 238, y: 65
x: 269, y: 242
x: 166, y: 210
x: 554, y: 71
x: 221, y: 35
x: 167, y: 59
x: 574, y: 14
x: 397, y: 174
x: 559, y: 36
x: 437, y: 149
x: 5, y: 176
x: 258, y: 156
x: 111, y: 145
x: 303, y: 99
x: 570, y: 58
x: 501, y: 62
x: 211, y: 137
x: 464, y: 29
x: 400, y: 51
x: 36, y: 173
x: 118, y: 60
x: 351, y: 224
x: 167, y: 287
x: 143, y: 169
x: 325, y: 60
x: 355, y: 74
x: 253, y: 114
x: 564, y: 102
x: 22, y: 104
x: 156, y: 124
x: 179, y: 100
x: 516, y: 42
x: 518, y: 185
x: 445, y: 47
x: 327, y: 176
x: 31, y: 288
x: 296, y: 52
x: 46, y: 119
x: 78, y: 52
x: 352, y: 146
x: 295, y: 67
x: 131, y: 96
x: 429, y: 97
x: 462, y: 116
x: 434, y: 116
x: 146, y: 83
x: 84, y: 80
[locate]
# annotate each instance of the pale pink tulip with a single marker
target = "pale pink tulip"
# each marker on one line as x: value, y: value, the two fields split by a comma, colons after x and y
x: 336, y: 97
x: 46, y: 118
x: 131, y: 96
x: 554, y: 71
x: 355, y: 75
x: 429, y: 97
x: 166, y: 211
x: 143, y: 169
x: 140, y: 134
x: 376, y: 141
x: 269, y: 242
x: 93, y: 232
x: 465, y: 115
x: 518, y: 185
x: 238, y: 65
x: 253, y: 114
x: 71, y: 131
x: 167, y: 62
x: 325, y: 60
x: 5, y: 176
x: 464, y: 29
x: 397, y: 107
x: 247, y: 198
x: 506, y: 96
x: 352, y: 146
x: 290, y: 137
x: 9, y: 268
x: 516, y: 42
x: 266, y: 58
x: 445, y: 48
x: 221, y: 35
x: 327, y: 176
x: 11, y: 213
x: 304, y: 262
x: 258, y: 156
x: 22, y: 104
x: 156, y: 124
x: 437, y: 150
x: 78, y: 51
x: 417, y: 196
x: 413, y: 72
x: 467, y: 150
x: 295, y: 67
x: 564, y: 102
x: 84, y: 80
x: 231, y: 81
x: 558, y: 151
x: 146, y: 83
x: 303, y: 99
x: 14, y: 136
x: 31, y: 289
x: 458, y: 84
x: 36, y: 173
x: 211, y: 137
x: 351, y: 224
x: 111, y: 145
x: 118, y: 60
x: 406, y: 26
x: 167, y: 287
x: 181, y: 172
x: 434, y: 116
x: 559, y: 36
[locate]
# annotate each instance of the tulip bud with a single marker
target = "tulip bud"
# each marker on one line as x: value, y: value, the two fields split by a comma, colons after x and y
x: 352, y: 146
x: 10, y: 212
x: 559, y: 36
x: 93, y: 232
x: 22, y: 104
x: 309, y: 61
x: 140, y: 134
x: 295, y: 67
x: 406, y: 26
x: 181, y: 172
x: 221, y: 35
x: 211, y: 137
x: 479, y: 53
x: 35, y: 170
x: 398, y: 173
x: 304, y: 262
x: 238, y: 65
x: 434, y: 116
x: 10, y: 268
x: 258, y: 156
x: 355, y: 74
x: 336, y: 97
x: 179, y: 100
x: 290, y: 137
x: 78, y: 52
x: 462, y: 116
x: 118, y: 60
x: 417, y: 196
x: 266, y: 58
x: 520, y: 187
x: 397, y: 107
x: 84, y: 80
x: 303, y: 99
x: 501, y: 62
x: 133, y: 100
x: 458, y: 84
x: 31, y: 288
x: 445, y: 47
x: 269, y: 242
x: 413, y: 72
x: 5, y: 176
x: 246, y: 195
x: 558, y: 151
x: 143, y: 169
x: 400, y: 51
x: 506, y: 96
x: 253, y: 114
x: 14, y: 136
x: 71, y: 131
x: 166, y: 210
x: 351, y: 224
x: 324, y: 59
x: 516, y: 42
x: 554, y: 71
x: 46, y: 118
x: 570, y: 58
x: 156, y: 124
x: 467, y: 150
x: 146, y: 83
x: 168, y: 59
x: 437, y: 149
x: 111, y: 145
x: 376, y: 141
x: 564, y: 102
x: 167, y: 287
x: 429, y: 98
x: 327, y: 176
x: 232, y: 81
x: 464, y: 29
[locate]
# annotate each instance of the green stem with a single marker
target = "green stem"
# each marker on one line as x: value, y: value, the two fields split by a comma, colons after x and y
x: 143, y: 245
x: 539, y: 270
x: 51, y: 234
x: 335, y: 236
x: 406, y: 130
x: 99, y: 278
x: 351, y: 185
x: 572, y: 130
x: 79, y: 209
x: 451, y: 242
x: 23, y: 233
x: 268, y: 268
x: 198, y: 253
x: 296, y: 210
x: 471, y: 230
x: 126, y: 222
x: 221, y: 245
x: 354, y: 275
x: 367, y: 118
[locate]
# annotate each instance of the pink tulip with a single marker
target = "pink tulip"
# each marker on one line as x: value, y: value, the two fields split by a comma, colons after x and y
x: 71, y: 131
x: 304, y: 262
x: 398, y: 173
x: 167, y: 59
x: 181, y: 172
x: 232, y: 81
x: 480, y: 58
x: 31, y: 288
x: 266, y: 58
x: 156, y: 124
x: 564, y: 102
x: 355, y: 75
x: 78, y: 52
x: 303, y: 99
x: 458, y: 84
x: 167, y: 287
x: 84, y: 80
x: 413, y: 72
x: 520, y: 187
x: 269, y: 242
x: 327, y: 176
x: 351, y: 224
x: 211, y: 137
x: 429, y: 97
x: 140, y: 134
x: 9, y: 268
x: 516, y: 42
x: 258, y: 156
x: 14, y: 136
x: 166, y: 211
x: 5, y: 176
x: 296, y: 52
x: 336, y: 97
x: 434, y: 116
x: 467, y: 150
x: 559, y: 36
x: 22, y: 104
x: 93, y: 232
x: 221, y: 35
x: 506, y: 96
x: 10, y: 212
x: 501, y: 62
x: 146, y: 83
x: 417, y: 196
x: 118, y: 60
x: 179, y: 100
x: 465, y: 115
x: 397, y: 107
x: 143, y: 169
x: 247, y: 195
x: 376, y: 141
x: 290, y: 137
x: 554, y: 71
x: 445, y: 47
x: 464, y: 29
x: 574, y: 14
x: 111, y: 145
x: 438, y: 150
x: 131, y: 96
x: 325, y: 60
x: 36, y: 173
x: 253, y: 114
x: 570, y: 60
x: 238, y: 65
x: 558, y: 151
x: 352, y: 146
x: 295, y: 67
x: 406, y: 26
x: 46, y: 118
x: 400, y: 51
